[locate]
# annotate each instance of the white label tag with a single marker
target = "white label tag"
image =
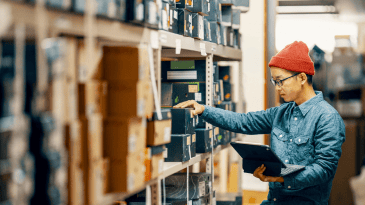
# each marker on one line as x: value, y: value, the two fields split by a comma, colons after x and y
x: 201, y: 188
x: 198, y: 97
x: 140, y: 107
x: 190, y: 202
x: 165, y: 154
x: 193, y: 121
x: 189, y: 152
x: 208, y: 7
x: 175, y: 15
x: 130, y: 182
x: 154, y: 39
x: 132, y: 139
x: 178, y: 46
x: 197, y: 119
x: 167, y: 134
x: 182, y: 75
x: 160, y: 165
x: 202, y: 49
x: 164, y: 20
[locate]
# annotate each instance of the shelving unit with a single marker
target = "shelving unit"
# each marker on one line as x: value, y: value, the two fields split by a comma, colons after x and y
x: 111, y: 32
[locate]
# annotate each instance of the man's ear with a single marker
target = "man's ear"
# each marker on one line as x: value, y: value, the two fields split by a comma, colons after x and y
x: 303, y: 78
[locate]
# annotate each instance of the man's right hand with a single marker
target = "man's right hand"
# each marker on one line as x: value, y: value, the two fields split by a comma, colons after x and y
x: 198, y: 108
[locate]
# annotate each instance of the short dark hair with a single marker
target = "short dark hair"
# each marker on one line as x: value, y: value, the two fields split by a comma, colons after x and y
x: 309, y: 77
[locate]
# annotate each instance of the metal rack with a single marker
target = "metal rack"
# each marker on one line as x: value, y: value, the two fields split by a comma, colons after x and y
x: 41, y: 22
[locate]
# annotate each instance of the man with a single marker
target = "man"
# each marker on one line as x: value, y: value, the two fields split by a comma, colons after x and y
x: 305, y: 131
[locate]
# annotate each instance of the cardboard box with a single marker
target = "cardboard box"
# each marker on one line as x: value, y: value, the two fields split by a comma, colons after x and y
x: 98, y: 172
x: 199, y: 6
x: 215, y: 13
x: 198, y: 26
x: 78, y: 133
x: 185, y: 22
x: 123, y: 136
x: 174, y: 21
x: 183, y: 121
x: 130, y: 99
x: 96, y: 97
x: 157, y: 163
x: 166, y: 18
x: 159, y: 131
x: 126, y: 63
x: 215, y: 32
x: 178, y: 149
x: 147, y: 164
x: 76, y: 100
x: 152, y: 14
x: 127, y: 174
x: 204, y: 138
x: 223, y: 30
x: 96, y: 133
x: 226, y: 16
x: 71, y: 56
x: 136, y: 11
x: 85, y: 72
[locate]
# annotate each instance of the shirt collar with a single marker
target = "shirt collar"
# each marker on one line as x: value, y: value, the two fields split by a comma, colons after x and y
x: 306, y: 106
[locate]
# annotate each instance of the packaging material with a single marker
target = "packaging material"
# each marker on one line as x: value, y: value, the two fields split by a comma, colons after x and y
x: 179, y: 149
x: 183, y: 71
x: 134, y: 140
x: 183, y: 121
x: 199, y: 186
x: 185, y: 22
x: 236, y: 17
x: 136, y: 11
x: 227, y: 87
x: 159, y: 131
x: 207, y: 31
x: 126, y: 63
x: 189, y: 91
x: 198, y: 26
x: 126, y: 175
x: 174, y: 21
x: 215, y: 13
x: 130, y: 99
x: 157, y: 163
x: 215, y: 32
x: 96, y: 97
x: 204, y: 138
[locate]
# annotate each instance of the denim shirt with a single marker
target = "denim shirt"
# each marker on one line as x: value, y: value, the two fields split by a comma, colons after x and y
x: 310, y: 134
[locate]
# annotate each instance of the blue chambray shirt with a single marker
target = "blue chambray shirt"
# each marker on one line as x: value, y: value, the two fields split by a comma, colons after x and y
x: 310, y: 134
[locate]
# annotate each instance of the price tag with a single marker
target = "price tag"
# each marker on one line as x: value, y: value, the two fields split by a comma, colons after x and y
x: 202, y: 49
x: 178, y: 46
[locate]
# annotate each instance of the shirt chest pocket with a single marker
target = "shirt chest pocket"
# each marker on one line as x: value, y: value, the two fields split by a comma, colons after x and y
x: 280, y: 135
x: 279, y: 142
x: 301, y: 147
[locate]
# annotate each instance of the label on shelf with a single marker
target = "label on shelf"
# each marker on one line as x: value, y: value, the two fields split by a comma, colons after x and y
x: 165, y: 153
x: 160, y: 165
x: 154, y: 39
x: 167, y: 134
x: 178, y: 46
x: 132, y: 139
x: 182, y: 75
x: 202, y: 49
x: 198, y: 97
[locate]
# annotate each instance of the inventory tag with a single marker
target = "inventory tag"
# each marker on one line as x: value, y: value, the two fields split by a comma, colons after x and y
x: 202, y: 49
x: 198, y: 97
x: 132, y: 143
x: 154, y: 39
x: 165, y: 154
x: 178, y: 46
x: 188, y: 141
x: 194, y: 137
x: 167, y: 134
x: 208, y: 7
x: 193, y: 88
x: 175, y: 15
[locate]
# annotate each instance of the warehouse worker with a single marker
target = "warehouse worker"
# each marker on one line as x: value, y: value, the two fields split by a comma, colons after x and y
x: 304, y: 131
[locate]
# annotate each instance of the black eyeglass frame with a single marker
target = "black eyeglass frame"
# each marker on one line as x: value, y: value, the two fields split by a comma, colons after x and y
x: 280, y: 82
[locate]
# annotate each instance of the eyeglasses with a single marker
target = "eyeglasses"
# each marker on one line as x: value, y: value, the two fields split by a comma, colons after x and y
x: 280, y: 82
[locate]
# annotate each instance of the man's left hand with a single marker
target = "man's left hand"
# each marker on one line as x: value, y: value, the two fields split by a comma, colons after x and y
x: 258, y: 173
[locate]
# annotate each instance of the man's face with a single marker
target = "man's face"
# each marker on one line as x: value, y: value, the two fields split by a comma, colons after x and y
x: 290, y: 88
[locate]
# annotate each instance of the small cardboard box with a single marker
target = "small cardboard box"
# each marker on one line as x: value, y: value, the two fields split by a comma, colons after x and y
x: 76, y: 100
x: 123, y: 136
x: 96, y: 96
x: 157, y: 163
x: 126, y: 175
x: 159, y: 131
x: 97, y: 183
x: 130, y: 99
x: 85, y: 72
x: 126, y: 63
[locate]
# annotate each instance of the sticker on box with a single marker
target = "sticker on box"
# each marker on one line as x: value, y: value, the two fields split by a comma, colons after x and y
x: 130, y: 182
x: 160, y: 165
x: 167, y: 134
x: 193, y: 88
x: 198, y: 97
x: 132, y: 142
x: 165, y: 154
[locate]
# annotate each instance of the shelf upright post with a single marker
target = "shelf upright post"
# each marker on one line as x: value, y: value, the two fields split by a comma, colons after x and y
x: 240, y: 107
x: 157, y: 66
x: 209, y: 102
x: 156, y: 193
x: 42, y: 67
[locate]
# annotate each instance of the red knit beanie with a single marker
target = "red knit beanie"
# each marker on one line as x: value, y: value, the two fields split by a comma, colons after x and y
x: 294, y: 57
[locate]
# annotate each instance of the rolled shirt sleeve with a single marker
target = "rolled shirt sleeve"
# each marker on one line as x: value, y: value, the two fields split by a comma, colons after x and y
x: 328, y: 139
x: 259, y: 122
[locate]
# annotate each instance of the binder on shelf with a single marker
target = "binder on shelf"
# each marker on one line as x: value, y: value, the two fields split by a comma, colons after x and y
x: 203, y: 140
x: 215, y: 13
x: 183, y: 71
x: 198, y: 26
x: 185, y: 22
x: 207, y: 31
x: 179, y: 149
x: 174, y: 20
x: 226, y: 2
x: 183, y: 121
x: 215, y: 32
x: 226, y: 15
x: 227, y: 87
x: 199, y: 6
x: 224, y: 73
x: 165, y: 18
x: 189, y: 91
x: 236, y: 17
